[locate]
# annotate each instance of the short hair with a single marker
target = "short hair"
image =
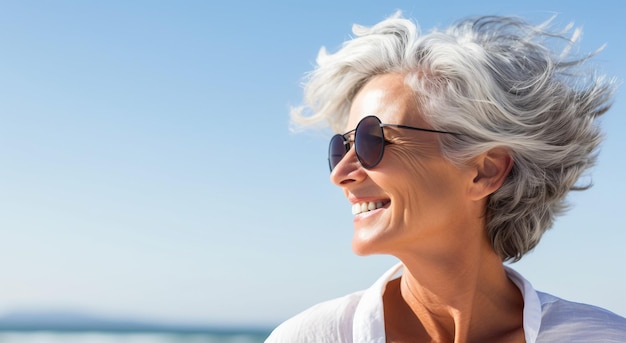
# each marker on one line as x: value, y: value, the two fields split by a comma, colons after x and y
x: 497, y: 81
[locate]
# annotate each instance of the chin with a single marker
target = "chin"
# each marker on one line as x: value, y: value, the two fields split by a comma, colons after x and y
x: 361, y: 248
x: 373, y: 239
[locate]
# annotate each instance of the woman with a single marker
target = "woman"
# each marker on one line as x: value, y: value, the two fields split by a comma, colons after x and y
x: 456, y: 150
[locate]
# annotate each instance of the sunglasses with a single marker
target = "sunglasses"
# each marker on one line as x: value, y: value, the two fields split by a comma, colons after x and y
x: 369, y: 142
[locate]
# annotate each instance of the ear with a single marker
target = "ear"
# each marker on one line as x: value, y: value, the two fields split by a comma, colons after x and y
x: 492, y: 168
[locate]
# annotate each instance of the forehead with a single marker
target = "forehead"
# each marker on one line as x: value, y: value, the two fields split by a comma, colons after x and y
x: 387, y: 97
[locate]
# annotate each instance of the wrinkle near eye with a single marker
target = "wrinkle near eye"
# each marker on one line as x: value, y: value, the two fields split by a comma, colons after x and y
x: 413, y: 147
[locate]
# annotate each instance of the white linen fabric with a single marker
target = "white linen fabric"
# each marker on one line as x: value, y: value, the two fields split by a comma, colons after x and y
x: 358, y: 318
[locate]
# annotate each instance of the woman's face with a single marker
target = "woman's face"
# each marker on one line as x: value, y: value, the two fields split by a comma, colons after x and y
x: 425, y: 204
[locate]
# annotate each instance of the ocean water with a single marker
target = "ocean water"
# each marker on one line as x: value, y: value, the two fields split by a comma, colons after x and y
x: 111, y: 337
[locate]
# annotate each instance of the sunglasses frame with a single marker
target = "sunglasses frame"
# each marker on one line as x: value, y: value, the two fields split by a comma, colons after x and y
x: 346, y: 141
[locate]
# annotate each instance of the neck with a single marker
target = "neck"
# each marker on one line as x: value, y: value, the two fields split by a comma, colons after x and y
x: 460, y: 297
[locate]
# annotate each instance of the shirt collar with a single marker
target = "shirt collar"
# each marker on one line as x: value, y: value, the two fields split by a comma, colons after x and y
x: 369, y: 322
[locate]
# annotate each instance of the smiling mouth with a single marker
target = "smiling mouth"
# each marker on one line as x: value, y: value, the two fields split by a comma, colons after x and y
x: 362, y: 207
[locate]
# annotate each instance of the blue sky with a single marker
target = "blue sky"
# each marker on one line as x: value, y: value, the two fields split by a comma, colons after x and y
x: 148, y: 170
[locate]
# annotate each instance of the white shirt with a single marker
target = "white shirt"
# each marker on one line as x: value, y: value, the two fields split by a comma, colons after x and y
x: 358, y: 318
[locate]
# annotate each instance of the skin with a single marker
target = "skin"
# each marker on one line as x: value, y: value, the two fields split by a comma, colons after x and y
x: 454, y: 287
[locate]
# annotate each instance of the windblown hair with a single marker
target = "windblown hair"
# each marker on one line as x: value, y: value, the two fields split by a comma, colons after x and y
x: 497, y: 81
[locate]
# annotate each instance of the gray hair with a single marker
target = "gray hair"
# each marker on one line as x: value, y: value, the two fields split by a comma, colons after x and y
x: 495, y: 80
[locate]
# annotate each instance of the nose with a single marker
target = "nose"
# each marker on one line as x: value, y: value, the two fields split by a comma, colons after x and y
x: 348, y: 170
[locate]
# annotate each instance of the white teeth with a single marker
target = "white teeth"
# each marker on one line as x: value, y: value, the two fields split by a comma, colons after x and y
x: 366, y: 206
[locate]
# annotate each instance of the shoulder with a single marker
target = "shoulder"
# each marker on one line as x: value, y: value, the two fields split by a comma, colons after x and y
x: 567, y: 321
x: 329, y: 321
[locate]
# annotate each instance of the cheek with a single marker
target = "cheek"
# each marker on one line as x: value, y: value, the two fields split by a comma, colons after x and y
x: 426, y: 176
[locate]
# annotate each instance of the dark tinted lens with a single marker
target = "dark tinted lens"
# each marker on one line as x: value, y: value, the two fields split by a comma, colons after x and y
x: 369, y: 142
x: 337, y: 149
